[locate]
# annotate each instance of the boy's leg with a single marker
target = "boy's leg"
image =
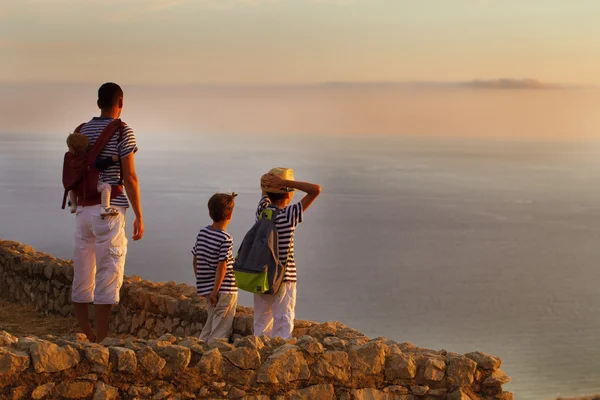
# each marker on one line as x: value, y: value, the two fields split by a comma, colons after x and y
x: 263, y: 314
x: 72, y: 201
x: 284, y: 310
x: 207, y: 328
x: 222, y: 318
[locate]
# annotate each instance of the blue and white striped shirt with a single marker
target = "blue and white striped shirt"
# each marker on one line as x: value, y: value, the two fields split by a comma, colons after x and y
x: 286, y: 222
x: 123, y: 148
x: 212, y: 247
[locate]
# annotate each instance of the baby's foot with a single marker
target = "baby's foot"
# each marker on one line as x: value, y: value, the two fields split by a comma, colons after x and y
x: 108, y: 211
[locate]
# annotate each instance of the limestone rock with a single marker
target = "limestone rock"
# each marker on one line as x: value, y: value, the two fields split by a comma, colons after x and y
x: 334, y: 365
x: 321, y: 392
x: 419, y: 390
x: 458, y: 394
x: 334, y: 343
x: 126, y: 360
x: 105, y: 392
x: 485, y: 361
x: 368, y: 359
x: 236, y: 393
x: 370, y: 394
x: 6, y: 339
x: 177, y: 357
x: 395, y: 389
x: 310, y: 345
x: 252, y: 342
x: 244, y: 358
x: 74, y: 389
x: 41, y: 391
x: 18, y: 393
x: 48, y: 357
x: 13, y: 361
x: 399, y: 366
x: 211, y: 362
x: 150, y: 361
x: 438, y: 392
x: 498, y: 378
x: 143, y: 392
x: 286, y: 365
x: 221, y: 344
x: 98, y: 356
x: 461, y: 371
x: 435, y: 369
x: 167, y: 337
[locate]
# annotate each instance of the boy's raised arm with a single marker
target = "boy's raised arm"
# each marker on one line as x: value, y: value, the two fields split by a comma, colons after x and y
x: 312, y: 190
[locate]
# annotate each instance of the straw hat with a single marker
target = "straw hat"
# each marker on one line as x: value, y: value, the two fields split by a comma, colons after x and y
x: 285, y: 173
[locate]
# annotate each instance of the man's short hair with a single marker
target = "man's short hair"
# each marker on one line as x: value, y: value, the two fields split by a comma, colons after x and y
x: 220, y: 206
x: 276, y: 197
x: 108, y: 95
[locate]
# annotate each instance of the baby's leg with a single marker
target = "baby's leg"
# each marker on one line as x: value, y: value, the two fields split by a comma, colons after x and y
x: 104, y: 189
x: 72, y: 202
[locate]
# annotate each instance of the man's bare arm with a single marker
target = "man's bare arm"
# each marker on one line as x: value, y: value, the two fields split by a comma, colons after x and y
x: 130, y: 180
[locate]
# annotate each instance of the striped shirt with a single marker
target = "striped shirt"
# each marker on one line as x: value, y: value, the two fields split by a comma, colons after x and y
x: 212, y: 247
x: 111, y: 175
x: 286, y: 222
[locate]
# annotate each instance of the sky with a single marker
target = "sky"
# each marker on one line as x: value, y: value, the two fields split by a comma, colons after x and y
x: 298, y: 41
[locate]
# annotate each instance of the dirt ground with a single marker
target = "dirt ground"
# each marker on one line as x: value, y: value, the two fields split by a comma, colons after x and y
x: 21, y: 320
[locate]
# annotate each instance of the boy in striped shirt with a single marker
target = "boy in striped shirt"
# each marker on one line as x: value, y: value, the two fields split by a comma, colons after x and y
x: 213, y: 268
x: 274, y: 313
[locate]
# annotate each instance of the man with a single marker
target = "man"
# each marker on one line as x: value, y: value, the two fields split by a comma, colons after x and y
x: 100, y: 241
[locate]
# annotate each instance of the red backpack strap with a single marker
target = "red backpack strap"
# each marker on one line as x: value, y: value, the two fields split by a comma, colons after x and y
x: 104, y: 138
x: 78, y: 129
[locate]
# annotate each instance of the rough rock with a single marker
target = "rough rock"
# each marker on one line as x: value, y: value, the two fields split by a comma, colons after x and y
x: 333, y: 364
x: 367, y: 359
x: 126, y: 360
x: 435, y: 369
x: 461, y: 371
x: 309, y: 345
x: 6, y: 339
x: 321, y: 392
x: 399, y: 366
x: 143, y: 392
x: 211, y: 363
x: 370, y: 394
x: 177, y: 357
x: 74, y: 389
x: 252, y: 342
x: 286, y: 365
x: 105, y: 392
x: 419, y: 390
x: 98, y: 356
x: 485, y: 361
x: 151, y: 362
x: 13, y: 361
x: 497, y: 378
x: 244, y: 358
x: 334, y: 343
x: 48, y: 357
x: 41, y: 391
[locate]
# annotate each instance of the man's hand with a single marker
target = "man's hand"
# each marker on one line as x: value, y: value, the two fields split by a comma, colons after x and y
x: 213, y: 299
x: 138, y: 229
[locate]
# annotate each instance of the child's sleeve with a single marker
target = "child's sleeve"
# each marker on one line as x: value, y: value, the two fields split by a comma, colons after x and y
x: 195, y: 248
x: 128, y: 145
x: 294, y: 214
x: 226, y: 250
x: 262, y: 204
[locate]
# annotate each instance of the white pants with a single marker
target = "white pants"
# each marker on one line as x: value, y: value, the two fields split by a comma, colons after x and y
x: 99, y: 257
x: 274, y: 313
x: 219, y: 323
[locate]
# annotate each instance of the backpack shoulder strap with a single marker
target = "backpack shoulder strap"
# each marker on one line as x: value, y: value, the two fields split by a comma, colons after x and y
x: 104, y: 137
x: 78, y: 129
x: 269, y: 213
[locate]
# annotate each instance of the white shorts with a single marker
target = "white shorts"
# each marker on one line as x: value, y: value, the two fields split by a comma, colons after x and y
x: 274, y: 313
x: 99, y: 256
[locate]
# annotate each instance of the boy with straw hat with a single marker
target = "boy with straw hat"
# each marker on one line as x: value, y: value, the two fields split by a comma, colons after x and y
x: 274, y: 313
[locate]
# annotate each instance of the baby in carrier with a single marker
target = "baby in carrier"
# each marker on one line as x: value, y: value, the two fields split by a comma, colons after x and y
x: 79, y: 143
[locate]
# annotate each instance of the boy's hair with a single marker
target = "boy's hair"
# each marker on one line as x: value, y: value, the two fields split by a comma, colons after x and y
x: 220, y: 206
x: 276, y: 197
x: 108, y: 95
x: 77, y: 143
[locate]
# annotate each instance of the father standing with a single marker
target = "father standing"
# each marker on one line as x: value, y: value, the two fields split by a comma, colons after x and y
x: 100, y: 242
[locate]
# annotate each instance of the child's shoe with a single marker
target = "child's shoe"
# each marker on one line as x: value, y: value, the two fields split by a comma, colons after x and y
x: 108, y: 211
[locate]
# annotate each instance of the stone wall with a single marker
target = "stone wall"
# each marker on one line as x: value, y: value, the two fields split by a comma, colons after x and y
x: 323, y: 361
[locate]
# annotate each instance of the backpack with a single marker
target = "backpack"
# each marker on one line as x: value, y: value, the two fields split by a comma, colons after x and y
x: 80, y: 173
x: 257, y: 267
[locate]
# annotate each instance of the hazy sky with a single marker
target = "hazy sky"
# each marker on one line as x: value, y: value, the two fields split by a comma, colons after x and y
x: 298, y: 41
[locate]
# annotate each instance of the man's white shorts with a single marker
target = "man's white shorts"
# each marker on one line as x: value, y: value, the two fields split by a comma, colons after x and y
x: 99, y: 259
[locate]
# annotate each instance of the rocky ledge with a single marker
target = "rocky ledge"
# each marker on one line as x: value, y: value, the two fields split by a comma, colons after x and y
x: 332, y: 362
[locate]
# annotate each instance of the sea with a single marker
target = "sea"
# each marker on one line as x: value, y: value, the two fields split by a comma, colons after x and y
x: 457, y: 244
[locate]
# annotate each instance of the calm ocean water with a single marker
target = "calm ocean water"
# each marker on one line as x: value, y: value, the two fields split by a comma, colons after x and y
x: 457, y: 244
